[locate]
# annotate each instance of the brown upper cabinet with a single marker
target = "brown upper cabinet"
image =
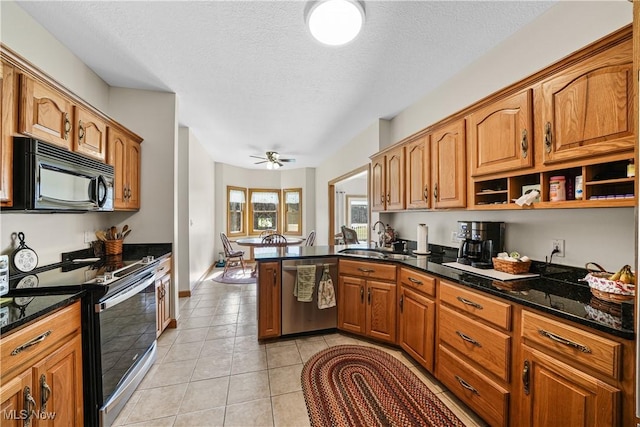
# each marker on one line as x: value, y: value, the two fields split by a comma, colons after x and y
x: 124, y: 155
x: 91, y: 135
x: 448, y: 168
x: 587, y: 110
x: 45, y: 113
x: 388, y: 180
x: 499, y: 135
x: 8, y: 114
x: 418, y: 173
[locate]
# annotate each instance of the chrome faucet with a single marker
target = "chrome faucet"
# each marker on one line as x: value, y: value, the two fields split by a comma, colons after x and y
x: 380, y: 232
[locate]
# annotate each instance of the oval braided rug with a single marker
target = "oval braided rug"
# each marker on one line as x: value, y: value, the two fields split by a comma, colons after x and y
x: 350, y: 385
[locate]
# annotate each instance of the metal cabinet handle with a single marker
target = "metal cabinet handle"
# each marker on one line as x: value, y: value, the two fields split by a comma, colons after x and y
x: 67, y: 126
x: 471, y: 303
x: 275, y: 278
x: 415, y: 281
x: 525, y: 377
x: 435, y: 192
x: 401, y: 303
x: 45, y: 392
x: 369, y: 296
x: 382, y: 198
x: 30, y: 405
x: 366, y: 270
x: 36, y: 340
x: 468, y: 339
x: 426, y: 192
x: 361, y: 294
x: 388, y: 198
x: 466, y: 385
x: 557, y: 338
x: 524, y: 144
x: 80, y: 131
x: 548, y: 137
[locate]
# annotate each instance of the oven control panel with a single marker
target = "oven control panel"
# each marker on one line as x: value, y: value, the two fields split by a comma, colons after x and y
x: 4, y: 274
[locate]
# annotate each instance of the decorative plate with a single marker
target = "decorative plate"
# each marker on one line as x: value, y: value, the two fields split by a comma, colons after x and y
x: 24, y: 258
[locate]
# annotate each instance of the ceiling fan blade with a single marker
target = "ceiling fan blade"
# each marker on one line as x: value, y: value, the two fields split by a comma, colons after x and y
x: 259, y: 163
x: 287, y: 160
x: 258, y: 157
x: 278, y: 162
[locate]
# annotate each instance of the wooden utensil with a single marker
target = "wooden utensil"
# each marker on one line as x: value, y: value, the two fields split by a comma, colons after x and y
x: 101, y: 235
x: 126, y: 233
x: 114, y: 232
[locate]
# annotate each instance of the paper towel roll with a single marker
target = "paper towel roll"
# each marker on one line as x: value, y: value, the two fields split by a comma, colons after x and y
x: 423, y: 238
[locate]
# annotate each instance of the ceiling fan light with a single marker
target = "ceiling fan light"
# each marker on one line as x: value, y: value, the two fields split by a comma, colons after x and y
x: 335, y: 22
x: 270, y: 165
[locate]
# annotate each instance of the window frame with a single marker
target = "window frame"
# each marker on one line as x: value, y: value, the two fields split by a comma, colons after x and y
x: 250, y: 230
x: 231, y: 188
x: 284, y: 211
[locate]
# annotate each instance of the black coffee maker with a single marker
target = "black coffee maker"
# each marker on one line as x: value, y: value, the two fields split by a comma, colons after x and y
x: 482, y: 240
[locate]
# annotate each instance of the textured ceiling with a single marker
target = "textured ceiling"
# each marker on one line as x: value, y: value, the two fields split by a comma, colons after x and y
x: 249, y: 76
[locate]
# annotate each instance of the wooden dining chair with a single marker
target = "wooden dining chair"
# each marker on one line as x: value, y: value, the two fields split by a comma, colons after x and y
x: 266, y: 233
x: 349, y: 235
x: 274, y: 240
x: 230, y: 255
x: 311, y: 238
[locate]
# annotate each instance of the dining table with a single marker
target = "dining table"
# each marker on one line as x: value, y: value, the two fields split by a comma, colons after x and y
x: 256, y: 242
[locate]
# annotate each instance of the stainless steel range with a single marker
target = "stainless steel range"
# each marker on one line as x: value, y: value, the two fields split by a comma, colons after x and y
x: 119, y: 324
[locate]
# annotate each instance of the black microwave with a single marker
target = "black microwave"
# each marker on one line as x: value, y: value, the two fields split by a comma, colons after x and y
x: 50, y: 178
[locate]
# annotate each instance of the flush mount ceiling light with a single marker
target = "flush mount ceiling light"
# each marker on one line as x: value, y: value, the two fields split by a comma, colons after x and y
x: 335, y: 22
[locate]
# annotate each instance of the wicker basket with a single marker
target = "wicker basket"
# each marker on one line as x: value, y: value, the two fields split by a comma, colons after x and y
x: 608, y: 290
x: 113, y: 247
x: 511, y: 267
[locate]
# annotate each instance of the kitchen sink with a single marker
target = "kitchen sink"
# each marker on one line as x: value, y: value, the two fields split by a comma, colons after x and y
x: 373, y: 253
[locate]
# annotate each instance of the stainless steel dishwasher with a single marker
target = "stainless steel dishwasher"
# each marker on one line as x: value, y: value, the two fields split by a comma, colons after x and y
x: 298, y: 317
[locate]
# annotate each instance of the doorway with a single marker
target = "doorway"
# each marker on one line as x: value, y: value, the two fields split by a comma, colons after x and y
x: 349, y: 205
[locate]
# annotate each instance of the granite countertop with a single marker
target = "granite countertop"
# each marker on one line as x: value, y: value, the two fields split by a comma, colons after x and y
x: 556, y: 291
x: 20, y: 310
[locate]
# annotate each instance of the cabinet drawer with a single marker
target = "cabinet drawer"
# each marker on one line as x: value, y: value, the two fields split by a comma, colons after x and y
x: 371, y: 270
x: 477, y: 342
x: 577, y: 345
x: 486, y: 308
x: 418, y: 281
x: 485, y: 397
x: 49, y: 332
x: 164, y: 267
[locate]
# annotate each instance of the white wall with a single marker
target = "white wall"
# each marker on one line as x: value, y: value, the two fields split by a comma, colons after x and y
x: 202, y: 202
x: 602, y: 235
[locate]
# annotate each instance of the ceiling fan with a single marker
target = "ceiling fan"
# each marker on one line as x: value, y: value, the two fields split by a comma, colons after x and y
x: 272, y: 159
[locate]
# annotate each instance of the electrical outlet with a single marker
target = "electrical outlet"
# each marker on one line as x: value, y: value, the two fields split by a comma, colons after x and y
x: 454, y: 237
x: 559, y: 245
x: 88, y: 236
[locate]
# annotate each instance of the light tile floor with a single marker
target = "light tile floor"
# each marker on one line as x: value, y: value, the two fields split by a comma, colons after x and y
x: 212, y: 371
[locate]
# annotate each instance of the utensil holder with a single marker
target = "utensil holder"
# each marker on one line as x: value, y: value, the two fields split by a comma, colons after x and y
x: 113, y: 247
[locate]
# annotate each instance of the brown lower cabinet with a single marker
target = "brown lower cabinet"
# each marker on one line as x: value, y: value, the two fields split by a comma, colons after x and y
x: 42, y: 384
x: 269, y: 300
x: 163, y: 296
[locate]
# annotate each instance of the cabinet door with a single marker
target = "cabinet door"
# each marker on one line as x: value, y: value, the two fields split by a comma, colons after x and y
x: 378, y: 184
x: 588, y: 110
x: 91, y: 135
x: 418, y: 173
x: 133, y: 170
x: 417, y: 321
x: 17, y: 400
x: 45, y: 113
x: 548, y: 385
x: 448, y: 166
x: 166, y: 301
x: 117, y: 158
x: 269, y: 300
x: 499, y: 135
x: 8, y: 115
x: 381, y: 311
x: 395, y: 179
x: 58, y: 383
x: 351, y: 308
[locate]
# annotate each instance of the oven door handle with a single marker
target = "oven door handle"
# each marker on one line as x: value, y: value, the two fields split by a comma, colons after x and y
x: 123, y: 296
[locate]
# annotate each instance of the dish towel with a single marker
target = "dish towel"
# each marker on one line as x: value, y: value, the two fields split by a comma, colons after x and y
x: 305, y: 282
x: 326, y: 292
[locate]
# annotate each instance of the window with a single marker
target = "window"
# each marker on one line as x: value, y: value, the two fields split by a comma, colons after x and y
x: 292, y: 199
x: 237, y: 198
x: 263, y: 210
x: 358, y: 215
